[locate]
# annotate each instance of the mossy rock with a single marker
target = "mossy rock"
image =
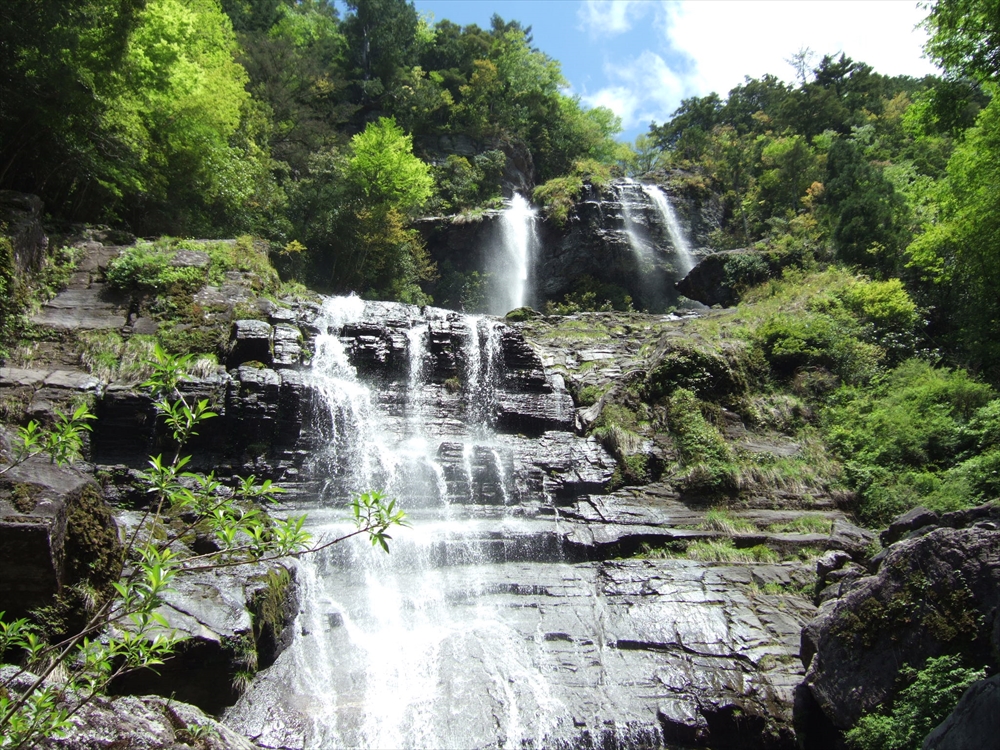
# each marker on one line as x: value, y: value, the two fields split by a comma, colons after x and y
x: 522, y: 314
x: 720, y: 375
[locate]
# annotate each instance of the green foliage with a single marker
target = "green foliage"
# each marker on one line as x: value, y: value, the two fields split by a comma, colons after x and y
x: 558, y: 196
x: 725, y: 551
x: 590, y: 295
x: 930, y: 696
x: 790, y: 342
x: 382, y: 170
x: 912, y: 440
x: 721, y: 374
x: 870, y: 217
x: 12, y: 299
x: 809, y: 523
x: 62, y: 441
x: 147, y: 268
x: 354, y: 213
x: 464, y: 184
x: 381, y: 33
x: 965, y: 37
x: 847, y: 325
x: 52, y: 277
x: 704, y: 454
x: 958, y: 254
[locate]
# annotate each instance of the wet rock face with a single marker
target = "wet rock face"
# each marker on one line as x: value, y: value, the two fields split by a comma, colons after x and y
x: 43, y: 514
x: 616, y: 237
x: 222, y: 630
x: 936, y: 591
x: 512, y: 383
x: 639, y: 653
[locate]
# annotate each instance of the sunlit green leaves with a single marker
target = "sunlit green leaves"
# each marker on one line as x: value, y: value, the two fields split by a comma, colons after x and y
x: 375, y: 514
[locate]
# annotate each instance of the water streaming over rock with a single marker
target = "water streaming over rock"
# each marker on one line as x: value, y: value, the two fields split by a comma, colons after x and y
x: 678, y: 237
x: 511, y: 261
x: 425, y: 647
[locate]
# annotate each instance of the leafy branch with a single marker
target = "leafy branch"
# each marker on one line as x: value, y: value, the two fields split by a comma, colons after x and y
x: 126, y: 632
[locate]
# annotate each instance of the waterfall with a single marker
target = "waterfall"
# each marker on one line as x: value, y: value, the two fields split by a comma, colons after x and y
x: 678, y: 238
x: 421, y: 647
x: 510, y: 268
x: 636, y: 228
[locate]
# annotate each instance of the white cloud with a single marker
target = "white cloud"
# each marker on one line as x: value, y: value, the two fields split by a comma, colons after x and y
x: 609, y: 17
x: 643, y: 89
x: 728, y: 40
x: 700, y: 47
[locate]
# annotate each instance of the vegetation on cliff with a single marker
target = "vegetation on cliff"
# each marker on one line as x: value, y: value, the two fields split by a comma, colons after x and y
x: 863, y: 375
x: 209, y: 119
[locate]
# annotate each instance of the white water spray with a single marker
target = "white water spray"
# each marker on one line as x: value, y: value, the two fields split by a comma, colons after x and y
x: 678, y: 238
x: 518, y: 239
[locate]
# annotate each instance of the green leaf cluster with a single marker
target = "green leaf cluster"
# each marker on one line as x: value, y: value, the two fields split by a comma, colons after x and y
x: 920, y: 436
x: 930, y: 696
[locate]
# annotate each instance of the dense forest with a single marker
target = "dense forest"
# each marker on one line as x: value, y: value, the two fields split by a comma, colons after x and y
x: 278, y: 118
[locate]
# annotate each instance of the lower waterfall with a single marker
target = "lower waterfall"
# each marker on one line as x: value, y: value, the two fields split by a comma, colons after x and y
x: 441, y: 642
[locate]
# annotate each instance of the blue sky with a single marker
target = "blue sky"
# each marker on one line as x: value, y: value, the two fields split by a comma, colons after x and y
x: 641, y: 57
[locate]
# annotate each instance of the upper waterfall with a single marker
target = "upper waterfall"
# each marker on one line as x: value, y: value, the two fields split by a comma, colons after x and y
x: 518, y: 241
x: 678, y: 238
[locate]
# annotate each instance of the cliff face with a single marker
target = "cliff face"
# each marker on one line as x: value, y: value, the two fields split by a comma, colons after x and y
x: 615, y: 237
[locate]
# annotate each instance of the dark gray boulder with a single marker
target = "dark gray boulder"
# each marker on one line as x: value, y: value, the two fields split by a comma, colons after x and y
x: 228, y: 622
x: 915, y: 518
x: 250, y: 341
x: 54, y: 531
x: 933, y: 594
x: 146, y: 722
x: 721, y: 278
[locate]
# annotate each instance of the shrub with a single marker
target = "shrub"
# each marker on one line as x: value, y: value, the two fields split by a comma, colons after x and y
x: 715, y: 375
x: 921, y: 436
x: 931, y: 695
x: 885, y: 304
x: 591, y: 295
x: 558, y: 196
x: 146, y: 268
x: 702, y: 450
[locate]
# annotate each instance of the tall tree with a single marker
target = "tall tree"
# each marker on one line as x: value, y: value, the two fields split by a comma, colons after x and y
x: 61, y: 63
x: 381, y: 35
x: 868, y: 215
x: 965, y: 37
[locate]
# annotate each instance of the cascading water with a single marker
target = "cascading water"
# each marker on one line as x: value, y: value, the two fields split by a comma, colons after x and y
x: 678, y: 238
x: 510, y: 266
x: 426, y: 646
